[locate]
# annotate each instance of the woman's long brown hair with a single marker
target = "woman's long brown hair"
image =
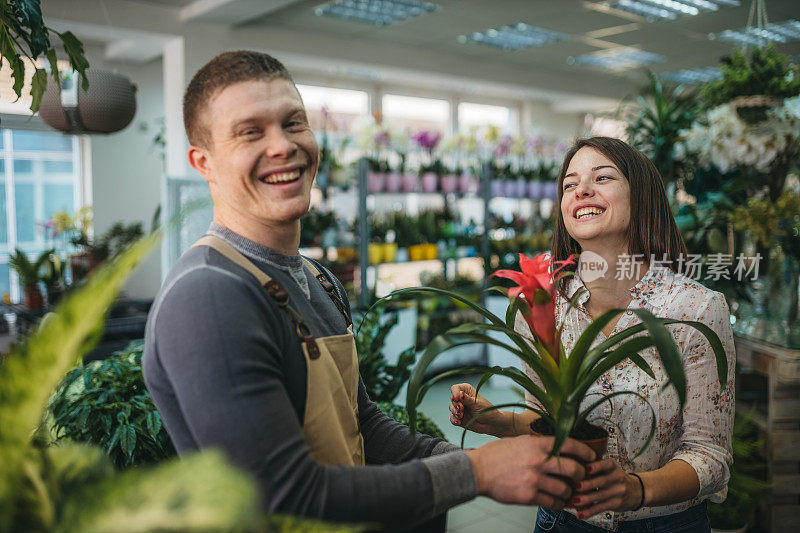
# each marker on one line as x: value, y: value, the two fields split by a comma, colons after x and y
x: 652, y: 231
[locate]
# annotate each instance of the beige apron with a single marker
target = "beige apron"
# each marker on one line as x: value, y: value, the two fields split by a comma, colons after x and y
x: 330, y: 421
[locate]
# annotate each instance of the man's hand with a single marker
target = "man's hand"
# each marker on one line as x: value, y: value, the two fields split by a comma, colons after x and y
x: 517, y: 471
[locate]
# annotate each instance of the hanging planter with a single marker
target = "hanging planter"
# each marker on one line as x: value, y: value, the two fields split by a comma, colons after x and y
x: 107, y: 106
x: 753, y: 109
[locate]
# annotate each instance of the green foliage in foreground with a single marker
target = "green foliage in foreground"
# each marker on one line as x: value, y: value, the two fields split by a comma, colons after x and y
x: 423, y: 424
x: 74, y: 487
x: 106, y: 403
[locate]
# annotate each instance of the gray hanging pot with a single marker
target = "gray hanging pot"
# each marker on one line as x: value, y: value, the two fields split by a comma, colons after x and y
x: 106, y: 107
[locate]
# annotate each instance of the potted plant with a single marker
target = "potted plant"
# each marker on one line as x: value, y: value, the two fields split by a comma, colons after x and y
x: 429, y: 172
x: 753, y: 83
x: 382, y: 380
x: 29, y: 273
x: 53, y: 278
x: 655, y: 123
x: 565, y: 378
x: 106, y: 403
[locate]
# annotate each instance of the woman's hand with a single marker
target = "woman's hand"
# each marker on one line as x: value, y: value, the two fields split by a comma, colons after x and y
x: 466, y: 403
x: 606, y: 487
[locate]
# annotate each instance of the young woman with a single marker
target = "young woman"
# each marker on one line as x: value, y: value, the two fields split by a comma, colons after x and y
x: 614, y: 212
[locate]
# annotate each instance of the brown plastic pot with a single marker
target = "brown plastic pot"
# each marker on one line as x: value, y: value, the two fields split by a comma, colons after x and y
x: 34, y: 300
x: 598, y: 445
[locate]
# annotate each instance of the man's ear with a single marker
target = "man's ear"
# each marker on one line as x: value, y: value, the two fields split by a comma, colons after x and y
x: 200, y: 159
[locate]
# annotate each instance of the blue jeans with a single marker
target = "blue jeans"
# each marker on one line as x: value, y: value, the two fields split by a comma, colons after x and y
x: 692, y: 520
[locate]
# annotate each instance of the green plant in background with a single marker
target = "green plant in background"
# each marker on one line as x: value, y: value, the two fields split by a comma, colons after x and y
x: 764, y: 71
x: 314, y: 224
x: 423, y: 424
x: 661, y: 113
x: 382, y: 380
x: 24, y: 38
x: 53, y: 277
x: 745, y: 486
x: 105, y: 403
x: 772, y: 221
x: 29, y: 272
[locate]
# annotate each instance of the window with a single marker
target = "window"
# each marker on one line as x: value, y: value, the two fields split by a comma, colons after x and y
x: 480, y: 115
x: 342, y: 107
x: 39, y: 175
x: 416, y: 114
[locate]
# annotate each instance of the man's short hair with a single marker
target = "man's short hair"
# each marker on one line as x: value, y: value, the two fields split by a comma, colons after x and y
x: 226, y: 69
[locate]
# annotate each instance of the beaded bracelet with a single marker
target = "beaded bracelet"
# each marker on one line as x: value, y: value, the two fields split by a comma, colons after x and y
x: 641, y: 484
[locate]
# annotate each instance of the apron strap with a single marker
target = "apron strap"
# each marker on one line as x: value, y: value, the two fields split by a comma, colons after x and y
x: 330, y: 288
x: 278, y: 293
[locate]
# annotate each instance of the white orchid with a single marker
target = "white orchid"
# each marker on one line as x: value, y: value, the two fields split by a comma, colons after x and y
x: 722, y: 140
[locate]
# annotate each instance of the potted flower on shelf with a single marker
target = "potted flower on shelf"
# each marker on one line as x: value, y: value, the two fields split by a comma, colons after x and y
x: 29, y: 276
x: 565, y: 378
x: 430, y: 172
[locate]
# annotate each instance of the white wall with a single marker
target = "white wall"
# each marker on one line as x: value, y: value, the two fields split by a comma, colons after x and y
x: 127, y: 169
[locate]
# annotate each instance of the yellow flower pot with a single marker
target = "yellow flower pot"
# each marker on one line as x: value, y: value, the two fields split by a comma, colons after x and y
x: 389, y: 252
x: 416, y: 252
x: 431, y: 251
x: 375, y: 252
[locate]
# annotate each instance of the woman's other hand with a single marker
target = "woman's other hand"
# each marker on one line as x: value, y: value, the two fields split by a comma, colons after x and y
x: 466, y: 403
x: 606, y: 487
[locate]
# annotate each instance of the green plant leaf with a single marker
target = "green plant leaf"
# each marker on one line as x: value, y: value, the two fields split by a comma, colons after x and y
x: 52, y: 59
x: 525, y: 352
x: 607, y: 398
x: 59, y: 342
x: 74, y: 49
x: 127, y: 440
x: 38, y: 86
x: 477, y: 415
x: 198, y: 493
x: 607, y: 360
x: 18, y: 73
x: 580, y: 350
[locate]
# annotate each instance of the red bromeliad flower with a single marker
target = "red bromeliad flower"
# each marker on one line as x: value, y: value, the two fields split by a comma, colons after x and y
x: 536, y: 284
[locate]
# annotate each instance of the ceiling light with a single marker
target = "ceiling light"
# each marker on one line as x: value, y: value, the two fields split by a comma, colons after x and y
x: 669, y: 9
x: 515, y: 37
x: 618, y: 58
x: 377, y: 12
x: 692, y: 76
x: 779, y: 32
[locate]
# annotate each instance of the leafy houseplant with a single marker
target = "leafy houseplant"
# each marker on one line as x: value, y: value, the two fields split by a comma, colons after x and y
x: 565, y: 378
x: 73, y: 487
x: 24, y: 38
x: 105, y: 403
x: 655, y: 128
x: 382, y: 380
x: 753, y: 83
x: 29, y: 276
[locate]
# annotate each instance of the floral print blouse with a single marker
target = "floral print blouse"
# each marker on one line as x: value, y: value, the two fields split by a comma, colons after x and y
x: 700, y: 433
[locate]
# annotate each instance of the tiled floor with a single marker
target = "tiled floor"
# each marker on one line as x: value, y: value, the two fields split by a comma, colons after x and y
x: 482, y: 514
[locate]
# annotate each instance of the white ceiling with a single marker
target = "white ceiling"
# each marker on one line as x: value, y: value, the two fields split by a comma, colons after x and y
x: 429, y: 44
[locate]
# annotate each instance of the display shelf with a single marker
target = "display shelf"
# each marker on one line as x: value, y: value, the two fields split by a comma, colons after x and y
x: 768, y: 376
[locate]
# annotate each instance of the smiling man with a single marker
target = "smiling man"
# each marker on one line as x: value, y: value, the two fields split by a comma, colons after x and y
x: 249, y: 346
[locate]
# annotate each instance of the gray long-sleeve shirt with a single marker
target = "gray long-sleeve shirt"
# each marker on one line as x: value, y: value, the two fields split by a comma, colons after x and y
x: 226, y: 370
